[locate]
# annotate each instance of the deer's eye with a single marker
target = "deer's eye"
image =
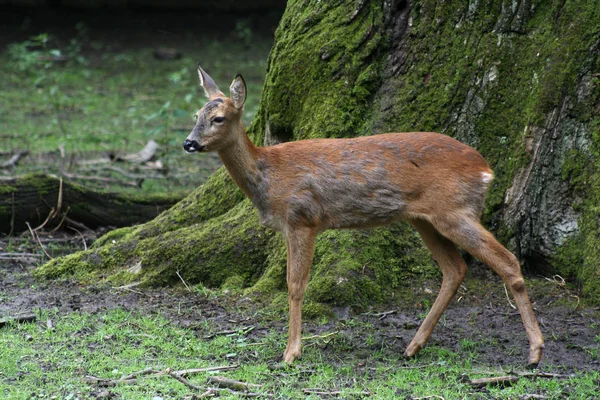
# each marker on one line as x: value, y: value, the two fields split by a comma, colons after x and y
x: 218, y: 120
x: 195, y: 117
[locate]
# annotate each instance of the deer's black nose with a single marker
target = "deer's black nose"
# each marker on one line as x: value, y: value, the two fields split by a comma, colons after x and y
x: 191, y: 146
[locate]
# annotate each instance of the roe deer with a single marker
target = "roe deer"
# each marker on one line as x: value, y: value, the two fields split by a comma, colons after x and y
x: 301, y: 188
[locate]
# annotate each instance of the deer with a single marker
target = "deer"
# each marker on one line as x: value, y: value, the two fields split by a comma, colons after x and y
x: 304, y: 187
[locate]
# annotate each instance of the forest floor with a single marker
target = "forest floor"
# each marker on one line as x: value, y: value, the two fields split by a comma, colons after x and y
x: 78, y: 342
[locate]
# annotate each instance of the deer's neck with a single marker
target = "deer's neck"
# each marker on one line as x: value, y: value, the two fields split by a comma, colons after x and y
x: 241, y: 160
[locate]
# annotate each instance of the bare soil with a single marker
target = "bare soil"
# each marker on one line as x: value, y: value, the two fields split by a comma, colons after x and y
x: 480, y: 316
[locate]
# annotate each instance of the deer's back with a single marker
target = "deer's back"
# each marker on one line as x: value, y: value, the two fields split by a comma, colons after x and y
x: 370, y: 181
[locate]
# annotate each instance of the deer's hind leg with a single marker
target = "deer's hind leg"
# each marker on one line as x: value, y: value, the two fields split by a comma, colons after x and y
x: 474, y: 238
x: 453, y: 269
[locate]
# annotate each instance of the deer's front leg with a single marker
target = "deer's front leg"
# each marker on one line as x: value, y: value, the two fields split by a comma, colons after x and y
x: 300, y: 247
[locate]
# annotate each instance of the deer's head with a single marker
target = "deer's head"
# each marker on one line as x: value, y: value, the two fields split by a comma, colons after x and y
x: 218, y: 122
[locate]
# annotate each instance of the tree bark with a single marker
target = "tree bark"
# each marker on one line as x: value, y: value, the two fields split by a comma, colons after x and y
x: 33, y: 197
x: 516, y: 80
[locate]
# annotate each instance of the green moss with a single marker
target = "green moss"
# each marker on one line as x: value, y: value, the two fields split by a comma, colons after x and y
x: 7, y: 189
x: 320, y: 79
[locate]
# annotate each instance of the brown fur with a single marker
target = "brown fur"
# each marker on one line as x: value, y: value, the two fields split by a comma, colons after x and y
x: 302, y: 188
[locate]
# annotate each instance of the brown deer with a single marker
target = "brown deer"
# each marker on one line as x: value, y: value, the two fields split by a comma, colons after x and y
x: 302, y: 188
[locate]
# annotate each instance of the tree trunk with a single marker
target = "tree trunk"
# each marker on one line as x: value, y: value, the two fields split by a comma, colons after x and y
x: 516, y: 80
x: 33, y: 198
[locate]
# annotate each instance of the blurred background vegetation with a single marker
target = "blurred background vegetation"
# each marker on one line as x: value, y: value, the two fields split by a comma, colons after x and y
x: 82, y: 82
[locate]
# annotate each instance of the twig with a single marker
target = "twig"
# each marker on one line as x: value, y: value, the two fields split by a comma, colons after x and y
x: 320, y: 336
x: 12, y: 217
x: 185, y: 372
x: 508, y: 299
x: 38, y: 239
x: 9, y: 256
x: 60, y: 195
x: 134, y: 284
x: 494, y: 381
x: 51, y: 215
x: 137, y: 374
x: 184, y: 283
x: 227, y: 383
x: 62, y: 220
x: 433, y: 396
x: 141, y: 156
x: 80, y: 234
x: 543, y: 375
x: 12, y: 162
x: 183, y: 380
x: 333, y: 392
x: 151, y: 372
x: 241, y: 331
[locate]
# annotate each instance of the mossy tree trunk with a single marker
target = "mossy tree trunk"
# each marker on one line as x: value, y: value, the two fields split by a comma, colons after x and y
x: 519, y: 81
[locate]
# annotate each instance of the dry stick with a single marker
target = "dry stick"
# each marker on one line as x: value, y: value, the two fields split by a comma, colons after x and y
x: 533, y: 396
x: 62, y: 220
x: 12, y: 217
x: 185, y: 372
x: 51, y: 215
x: 60, y: 195
x: 241, y: 331
x: 495, y: 381
x: 508, y: 299
x: 38, y: 239
x: 433, y: 396
x: 543, y: 375
x: 227, y: 383
x: 184, y: 381
x: 334, y: 392
x: 145, y: 371
x: 186, y: 285
x: 133, y: 377
x: 320, y: 336
x: 9, y: 256
x: 80, y: 234
x: 12, y: 162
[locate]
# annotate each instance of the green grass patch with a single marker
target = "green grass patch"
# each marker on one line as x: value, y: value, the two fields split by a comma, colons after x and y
x: 39, y: 363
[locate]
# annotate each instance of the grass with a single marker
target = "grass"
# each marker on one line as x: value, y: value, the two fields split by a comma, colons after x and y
x: 107, y: 100
x: 39, y: 363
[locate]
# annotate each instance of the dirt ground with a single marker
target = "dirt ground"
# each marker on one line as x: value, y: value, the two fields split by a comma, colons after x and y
x: 483, y: 318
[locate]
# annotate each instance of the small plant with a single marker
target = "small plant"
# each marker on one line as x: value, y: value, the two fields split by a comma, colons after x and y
x: 30, y: 53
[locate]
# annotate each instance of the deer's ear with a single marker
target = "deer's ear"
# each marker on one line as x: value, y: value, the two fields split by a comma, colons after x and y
x: 209, y: 86
x: 237, y: 91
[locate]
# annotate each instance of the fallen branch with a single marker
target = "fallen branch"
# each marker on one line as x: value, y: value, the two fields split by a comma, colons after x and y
x: 322, y: 392
x: 19, y: 319
x: 548, y: 375
x: 142, y: 156
x: 185, y: 372
x: 226, y: 383
x: 151, y: 372
x: 325, y: 336
x: 494, y: 381
x: 184, y: 381
x: 241, y: 331
x: 35, y: 236
x: 12, y: 162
